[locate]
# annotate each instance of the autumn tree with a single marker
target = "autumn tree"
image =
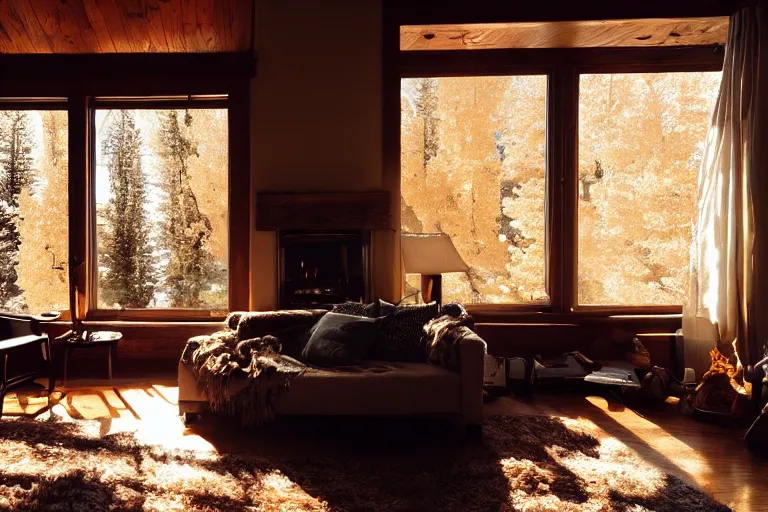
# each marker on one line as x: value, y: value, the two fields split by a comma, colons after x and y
x: 209, y: 180
x: 426, y: 108
x: 16, y: 163
x: 483, y: 183
x: 43, y: 256
x: 15, y: 155
x: 643, y: 134
x: 186, y: 230
x: 126, y: 256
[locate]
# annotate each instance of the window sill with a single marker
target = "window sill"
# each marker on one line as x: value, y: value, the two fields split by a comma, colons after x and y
x: 576, y: 318
x: 150, y: 324
x: 162, y: 315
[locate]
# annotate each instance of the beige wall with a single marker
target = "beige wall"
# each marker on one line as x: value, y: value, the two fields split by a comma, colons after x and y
x: 316, y: 108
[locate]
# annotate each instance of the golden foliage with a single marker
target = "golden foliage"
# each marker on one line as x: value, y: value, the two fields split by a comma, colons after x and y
x: 473, y: 166
x: 44, y: 210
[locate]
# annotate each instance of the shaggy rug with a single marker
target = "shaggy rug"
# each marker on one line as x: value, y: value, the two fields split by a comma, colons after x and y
x: 526, y: 463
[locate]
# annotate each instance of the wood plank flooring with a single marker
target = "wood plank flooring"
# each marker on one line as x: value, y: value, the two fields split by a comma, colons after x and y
x: 713, y: 457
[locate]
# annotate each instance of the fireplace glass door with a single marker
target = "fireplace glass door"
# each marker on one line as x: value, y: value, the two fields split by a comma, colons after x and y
x: 318, y: 270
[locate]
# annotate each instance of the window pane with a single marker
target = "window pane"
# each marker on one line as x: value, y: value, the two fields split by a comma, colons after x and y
x: 161, y: 200
x: 473, y: 167
x: 641, y: 143
x: 33, y: 211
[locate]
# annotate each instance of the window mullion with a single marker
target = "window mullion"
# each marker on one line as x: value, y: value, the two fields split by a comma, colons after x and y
x: 78, y: 204
x: 562, y: 140
x: 239, y: 195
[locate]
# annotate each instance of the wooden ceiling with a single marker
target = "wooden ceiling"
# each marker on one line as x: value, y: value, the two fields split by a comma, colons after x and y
x: 125, y: 26
x: 566, y: 34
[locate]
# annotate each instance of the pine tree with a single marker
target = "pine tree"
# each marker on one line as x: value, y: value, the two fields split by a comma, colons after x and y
x: 16, y: 165
x: 128, y: 278
x: 186, y: 229
x: 426, y: 108
x: 15, y: 155
x: 11, y: 298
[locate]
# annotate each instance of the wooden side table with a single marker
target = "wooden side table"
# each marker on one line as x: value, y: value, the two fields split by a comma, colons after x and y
x: 107, y: 339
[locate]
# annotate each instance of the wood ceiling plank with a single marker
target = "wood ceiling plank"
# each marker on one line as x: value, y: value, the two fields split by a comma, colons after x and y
x: 133, y: 13
x: 242, y: 24
x: 14, y: 37
x: 192, y: 35
x: 6, y: 41
x: 125, y: 26
x: 566, y: 34
x: 220, y: 21
x: 205, y: 21
x: 99, y: 26
x: 61, y: 27
x: 113, y: 21
x: 173, y: 25
x: 41, y: 43
x: 155, y: 26
x: 89, y: 34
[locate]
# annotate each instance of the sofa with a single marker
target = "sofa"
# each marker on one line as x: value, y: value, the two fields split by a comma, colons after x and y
x: 374, y: 388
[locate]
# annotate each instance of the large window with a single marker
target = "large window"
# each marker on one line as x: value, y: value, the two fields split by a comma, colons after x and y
x: 33, y: 210
x: 161, y: 192
x: 641, y: 139
x: 473, y: 167
x: 604, y: 222
x: 116, y: 187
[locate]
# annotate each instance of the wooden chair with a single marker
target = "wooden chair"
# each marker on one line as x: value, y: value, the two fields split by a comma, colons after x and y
x: 25, y: 351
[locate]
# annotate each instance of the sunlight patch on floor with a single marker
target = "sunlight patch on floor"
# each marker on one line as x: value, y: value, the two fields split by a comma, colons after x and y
x: 666, y: 445
x: 149, y: 410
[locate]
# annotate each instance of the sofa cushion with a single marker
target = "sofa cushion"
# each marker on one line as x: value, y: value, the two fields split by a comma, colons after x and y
x: 374, y: 387
x: 255, y: 324
x: 341, y: 340
x: 357, y: 309
x: 403, y: 337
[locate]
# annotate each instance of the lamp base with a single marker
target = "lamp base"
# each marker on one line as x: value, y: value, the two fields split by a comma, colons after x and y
x: 432, y: 288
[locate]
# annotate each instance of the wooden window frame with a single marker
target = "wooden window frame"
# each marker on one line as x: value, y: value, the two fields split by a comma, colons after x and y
x: 80, y: 79
x: 563, y: 67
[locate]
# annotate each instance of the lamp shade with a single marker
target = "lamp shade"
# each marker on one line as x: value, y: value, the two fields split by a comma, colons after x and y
x: 430, y: 254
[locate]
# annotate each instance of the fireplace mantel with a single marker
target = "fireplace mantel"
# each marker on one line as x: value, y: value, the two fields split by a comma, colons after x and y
x: 323, y: 211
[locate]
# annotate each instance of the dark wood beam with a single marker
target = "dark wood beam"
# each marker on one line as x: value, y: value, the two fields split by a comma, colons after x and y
x: 323, y: 211
x: 436, y: 12
x: 77, y: 68
x: 541, y: 60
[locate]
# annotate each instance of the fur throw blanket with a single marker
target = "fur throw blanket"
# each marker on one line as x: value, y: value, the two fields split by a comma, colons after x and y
x: 444, y: 334
x: 243, y: 370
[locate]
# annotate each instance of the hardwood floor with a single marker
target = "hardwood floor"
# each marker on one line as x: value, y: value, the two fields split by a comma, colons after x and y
x: 713, y: 457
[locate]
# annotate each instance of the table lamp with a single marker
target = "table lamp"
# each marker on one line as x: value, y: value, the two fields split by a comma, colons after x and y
x: 431, y: 255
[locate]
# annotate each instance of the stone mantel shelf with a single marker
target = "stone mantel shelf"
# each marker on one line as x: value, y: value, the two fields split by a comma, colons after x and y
x: 315, y: 211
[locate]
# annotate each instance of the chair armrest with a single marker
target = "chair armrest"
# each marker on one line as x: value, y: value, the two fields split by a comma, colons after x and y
x: 23, y: 325
x: 472, y: 350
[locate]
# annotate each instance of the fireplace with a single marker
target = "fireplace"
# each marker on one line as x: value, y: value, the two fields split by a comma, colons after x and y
x: 319, y: 269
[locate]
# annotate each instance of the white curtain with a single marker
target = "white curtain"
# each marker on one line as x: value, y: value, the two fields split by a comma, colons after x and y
x: 724, y: 293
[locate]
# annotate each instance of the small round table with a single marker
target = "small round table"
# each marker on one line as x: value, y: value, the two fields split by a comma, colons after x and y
x: 107, y: 339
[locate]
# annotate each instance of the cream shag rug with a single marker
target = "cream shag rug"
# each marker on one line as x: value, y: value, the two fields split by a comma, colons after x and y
x: 526, y: 463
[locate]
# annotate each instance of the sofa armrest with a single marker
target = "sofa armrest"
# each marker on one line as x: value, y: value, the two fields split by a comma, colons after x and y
x: 472, y: 350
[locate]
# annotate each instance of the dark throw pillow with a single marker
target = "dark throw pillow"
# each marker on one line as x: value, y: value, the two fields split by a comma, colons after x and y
x: 341, y: 340
x: 357, y: 309
x: 385, y: 308
x: 403, y: 338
